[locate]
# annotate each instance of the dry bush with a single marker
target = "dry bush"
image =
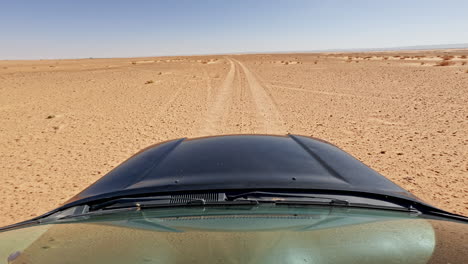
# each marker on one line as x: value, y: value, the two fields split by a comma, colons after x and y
x: 422, y: 63
x: 445, y: 63
x: 133, y: 62
x: 315, y: 62
x: 396, y: 56
x: 463, y: 57
x: 357, y: 61
x: 148, y: 82
x: 464, y: 63
x: 385, y: 58
x: 447, y: 57
x: 466, y: 71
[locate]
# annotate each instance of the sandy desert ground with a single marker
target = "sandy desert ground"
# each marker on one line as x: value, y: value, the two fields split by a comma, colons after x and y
x: 65, y: 123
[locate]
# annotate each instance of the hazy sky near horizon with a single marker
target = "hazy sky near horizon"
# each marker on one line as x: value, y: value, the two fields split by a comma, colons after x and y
x: 92, y: 28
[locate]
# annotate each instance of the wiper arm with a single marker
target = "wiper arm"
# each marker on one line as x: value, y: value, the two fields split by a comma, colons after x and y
x: 283, y: 198
x: 306, y: 199
x: 161, y: 201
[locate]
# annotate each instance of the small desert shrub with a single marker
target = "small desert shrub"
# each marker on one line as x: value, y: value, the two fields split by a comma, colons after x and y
x: 466, y: 71
x: 445, y: 63
x: 148, y: 82
x: 159, y: 73
x: 357, y: 61
x: 464, y: 63
x: 385, y: 58
x: 463, y: 57
x: 422, y: 63
x: 133, y: 62
x: 315, y: 62
x: 447, y: 57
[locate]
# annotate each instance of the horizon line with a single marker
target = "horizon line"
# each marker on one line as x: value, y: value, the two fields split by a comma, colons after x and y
x: 343, y: 50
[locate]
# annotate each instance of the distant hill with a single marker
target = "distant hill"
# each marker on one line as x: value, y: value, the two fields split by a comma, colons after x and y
x: 419, y: 47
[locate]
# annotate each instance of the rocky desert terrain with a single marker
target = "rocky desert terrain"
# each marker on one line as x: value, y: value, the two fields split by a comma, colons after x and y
x: 66, y: 123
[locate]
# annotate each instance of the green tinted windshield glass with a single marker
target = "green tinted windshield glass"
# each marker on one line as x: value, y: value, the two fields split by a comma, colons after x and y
x: 236, y: 235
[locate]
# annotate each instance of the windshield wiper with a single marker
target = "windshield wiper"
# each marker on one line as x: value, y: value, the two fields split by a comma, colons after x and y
x: 283, y: 198
x: 136, y: 204
x: 155, y: 202
x: 306, y: 199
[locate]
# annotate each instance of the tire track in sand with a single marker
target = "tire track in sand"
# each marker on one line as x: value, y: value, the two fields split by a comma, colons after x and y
x: 267, y: 113
x: 218, y: 109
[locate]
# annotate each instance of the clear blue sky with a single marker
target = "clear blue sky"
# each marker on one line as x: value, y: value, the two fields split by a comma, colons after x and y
x: 81, y: 28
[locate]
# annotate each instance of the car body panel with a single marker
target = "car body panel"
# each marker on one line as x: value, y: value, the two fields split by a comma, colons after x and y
x: 245, y: 162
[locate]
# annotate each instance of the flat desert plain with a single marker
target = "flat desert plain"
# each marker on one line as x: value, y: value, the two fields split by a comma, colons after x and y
x: 66, y: 123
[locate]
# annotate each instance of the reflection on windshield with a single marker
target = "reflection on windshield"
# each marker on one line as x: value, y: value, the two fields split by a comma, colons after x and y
x: 231, y: 238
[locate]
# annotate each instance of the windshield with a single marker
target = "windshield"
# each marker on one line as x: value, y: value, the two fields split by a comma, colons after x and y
x: 238, y: 234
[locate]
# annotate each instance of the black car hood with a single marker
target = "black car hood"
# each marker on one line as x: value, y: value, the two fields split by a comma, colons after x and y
x: 240, y: 162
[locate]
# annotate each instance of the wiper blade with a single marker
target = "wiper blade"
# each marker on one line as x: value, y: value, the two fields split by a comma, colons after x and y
x: 284, y: 198
x: 162, y: 201
x: 306, y: 199
x: 136, y: 204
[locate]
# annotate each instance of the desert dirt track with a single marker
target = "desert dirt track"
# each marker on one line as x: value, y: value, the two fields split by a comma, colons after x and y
x: 66, y: 123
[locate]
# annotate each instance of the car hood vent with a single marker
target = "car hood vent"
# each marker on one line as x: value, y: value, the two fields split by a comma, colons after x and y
x: 189, y: 197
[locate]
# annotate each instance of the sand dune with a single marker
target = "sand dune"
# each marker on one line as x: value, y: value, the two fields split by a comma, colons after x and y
x: 65, y: 123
